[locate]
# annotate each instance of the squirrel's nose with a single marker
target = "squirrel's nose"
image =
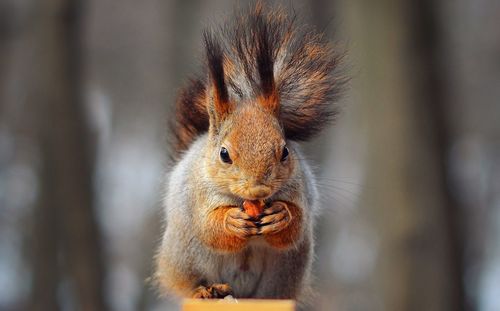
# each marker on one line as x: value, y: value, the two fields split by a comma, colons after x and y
x: 259, y: 192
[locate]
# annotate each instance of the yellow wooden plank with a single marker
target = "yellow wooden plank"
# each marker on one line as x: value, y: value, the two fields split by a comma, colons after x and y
x: 238, y: 305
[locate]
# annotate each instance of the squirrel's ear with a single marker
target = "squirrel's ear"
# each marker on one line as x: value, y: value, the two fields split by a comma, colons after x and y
x: 219, y: 106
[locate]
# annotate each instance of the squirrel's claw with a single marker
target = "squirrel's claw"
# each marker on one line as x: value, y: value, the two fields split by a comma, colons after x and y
x: 238, y: 223
x: 202, y: 292
x: 221, y: 290
x: 214, y: 291
x: 275, y: 218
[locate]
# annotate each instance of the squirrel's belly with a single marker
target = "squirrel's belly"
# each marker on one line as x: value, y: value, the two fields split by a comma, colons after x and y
x: 244, y: 271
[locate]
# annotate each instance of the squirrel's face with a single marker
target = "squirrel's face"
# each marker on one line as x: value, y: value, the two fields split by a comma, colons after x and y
x: 250, y: 158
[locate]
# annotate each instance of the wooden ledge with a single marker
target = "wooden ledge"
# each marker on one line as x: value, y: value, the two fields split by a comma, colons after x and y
x: 238, y: 305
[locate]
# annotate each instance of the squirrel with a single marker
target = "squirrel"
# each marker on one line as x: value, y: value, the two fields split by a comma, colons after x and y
x: 267, y: 85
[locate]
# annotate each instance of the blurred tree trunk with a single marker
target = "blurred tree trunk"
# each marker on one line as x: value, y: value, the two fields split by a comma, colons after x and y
x: 67, y: 151
x: 46, y: 239
x: 418, y: 265
x: 432, y: 96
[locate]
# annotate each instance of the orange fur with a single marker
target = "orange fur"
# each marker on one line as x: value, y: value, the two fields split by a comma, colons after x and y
x: 270, y: 102
x: 216, y: 234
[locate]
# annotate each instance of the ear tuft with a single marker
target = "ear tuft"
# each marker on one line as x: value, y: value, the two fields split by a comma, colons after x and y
x: 217, y: 85
x: 263, y: 55
x: 265, y: 60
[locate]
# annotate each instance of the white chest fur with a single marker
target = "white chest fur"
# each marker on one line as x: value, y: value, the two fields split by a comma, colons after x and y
x: 244, y: 271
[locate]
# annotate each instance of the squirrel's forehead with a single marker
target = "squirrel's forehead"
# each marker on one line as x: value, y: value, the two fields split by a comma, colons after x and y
x: 255, y: 127
x: 252, y: 131
x: 253, y: 116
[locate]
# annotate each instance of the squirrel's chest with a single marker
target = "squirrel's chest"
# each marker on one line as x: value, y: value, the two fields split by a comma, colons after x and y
x: 244, y: 271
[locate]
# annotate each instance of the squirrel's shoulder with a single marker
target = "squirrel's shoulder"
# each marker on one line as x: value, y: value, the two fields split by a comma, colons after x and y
x: 190, y: 158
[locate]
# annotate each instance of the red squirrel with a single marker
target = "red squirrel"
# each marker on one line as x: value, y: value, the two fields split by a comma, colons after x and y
x: 240, y: 198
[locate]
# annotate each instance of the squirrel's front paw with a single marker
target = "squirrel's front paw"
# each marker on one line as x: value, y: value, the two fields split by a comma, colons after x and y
x: 275, y: 218
x: 213, y: 291
x: 239, y: 223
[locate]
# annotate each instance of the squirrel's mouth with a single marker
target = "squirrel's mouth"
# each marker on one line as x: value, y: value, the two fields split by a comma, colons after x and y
x: 260, y: 192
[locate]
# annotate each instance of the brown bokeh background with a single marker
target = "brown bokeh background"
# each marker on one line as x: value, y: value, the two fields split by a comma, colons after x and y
x: 409, y: 175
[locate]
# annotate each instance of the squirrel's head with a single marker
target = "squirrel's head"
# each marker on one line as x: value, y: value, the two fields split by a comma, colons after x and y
x: 259, y: 59
x: 268, y: 82
x: 249, y: 156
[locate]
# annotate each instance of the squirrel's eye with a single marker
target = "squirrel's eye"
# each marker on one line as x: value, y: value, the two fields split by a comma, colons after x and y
x: 224, y: 156
x: 284, y: 154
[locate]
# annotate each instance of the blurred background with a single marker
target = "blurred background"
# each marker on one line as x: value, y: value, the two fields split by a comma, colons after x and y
x: 409, y: 175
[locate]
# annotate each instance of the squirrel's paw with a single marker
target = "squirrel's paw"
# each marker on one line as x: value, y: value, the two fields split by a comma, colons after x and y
x: 213, y: 291
x: 239, y: 223
x: 275, y: 218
